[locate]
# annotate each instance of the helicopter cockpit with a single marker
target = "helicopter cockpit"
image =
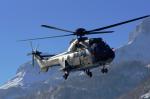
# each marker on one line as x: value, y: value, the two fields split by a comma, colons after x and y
x: 101, y: 50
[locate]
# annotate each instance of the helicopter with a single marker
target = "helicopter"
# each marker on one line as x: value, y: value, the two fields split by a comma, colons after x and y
x: 83, y: 53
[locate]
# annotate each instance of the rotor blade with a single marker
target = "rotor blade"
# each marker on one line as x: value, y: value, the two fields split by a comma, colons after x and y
x: 55, y: 28
x: 31, y: 45
x: 37, y: 47
x: 46, y: 37
x: 33, y: 60
x: 117, y: 24
x: 101, y: 32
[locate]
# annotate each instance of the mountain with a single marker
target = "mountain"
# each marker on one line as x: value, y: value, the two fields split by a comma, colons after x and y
x: 142, y: 91
x: 127, y: 77
x: 137, y: 47
x: 139, y: 39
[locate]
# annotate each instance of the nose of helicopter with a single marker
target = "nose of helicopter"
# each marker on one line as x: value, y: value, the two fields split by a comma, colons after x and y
x: 112, y: 53
x: 103, y: 52
x: 108, y: 57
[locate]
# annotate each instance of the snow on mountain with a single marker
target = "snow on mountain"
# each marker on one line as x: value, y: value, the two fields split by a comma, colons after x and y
x: 27, y: 75
x: 146, y: 96
x: 29, y: 79
x: 129, y: 69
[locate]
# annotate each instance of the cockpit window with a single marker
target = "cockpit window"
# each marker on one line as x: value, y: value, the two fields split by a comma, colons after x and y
x: 100, y: 49
x: 97, y: 41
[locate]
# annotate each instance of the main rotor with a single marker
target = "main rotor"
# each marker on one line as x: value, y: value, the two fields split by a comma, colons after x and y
x: 81, y: 32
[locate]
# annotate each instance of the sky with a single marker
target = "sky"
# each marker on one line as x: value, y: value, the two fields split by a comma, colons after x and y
x: 21, y: 19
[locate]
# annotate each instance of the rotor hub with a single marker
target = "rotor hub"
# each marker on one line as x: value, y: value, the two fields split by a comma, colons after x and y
x: 80, y: 32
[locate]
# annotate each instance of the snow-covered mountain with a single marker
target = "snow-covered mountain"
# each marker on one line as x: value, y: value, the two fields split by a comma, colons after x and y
x: 128, y: 72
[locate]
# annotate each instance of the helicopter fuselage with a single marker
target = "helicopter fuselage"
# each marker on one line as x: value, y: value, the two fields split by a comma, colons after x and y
x: 86, y: 54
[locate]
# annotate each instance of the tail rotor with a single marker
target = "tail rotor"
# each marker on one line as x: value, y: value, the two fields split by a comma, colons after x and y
x: 34, y: 52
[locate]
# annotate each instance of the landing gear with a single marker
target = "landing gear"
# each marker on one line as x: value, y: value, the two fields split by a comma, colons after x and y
x: 88, y: 72
x: 65, y: 76
x: 66, y: 70
x: 104, y: 70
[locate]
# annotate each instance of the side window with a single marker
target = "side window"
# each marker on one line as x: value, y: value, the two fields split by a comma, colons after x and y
x: 83, y: 53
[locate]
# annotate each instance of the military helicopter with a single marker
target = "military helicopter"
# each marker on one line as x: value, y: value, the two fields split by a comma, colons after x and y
x: 83, y: 53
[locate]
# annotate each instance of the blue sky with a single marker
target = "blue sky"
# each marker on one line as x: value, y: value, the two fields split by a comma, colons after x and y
x: 21, y: 19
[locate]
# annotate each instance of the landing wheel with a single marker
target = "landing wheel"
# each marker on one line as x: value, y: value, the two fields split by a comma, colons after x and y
x: 89, y: 73
x: 104, y: 70
x: 65, y: 76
